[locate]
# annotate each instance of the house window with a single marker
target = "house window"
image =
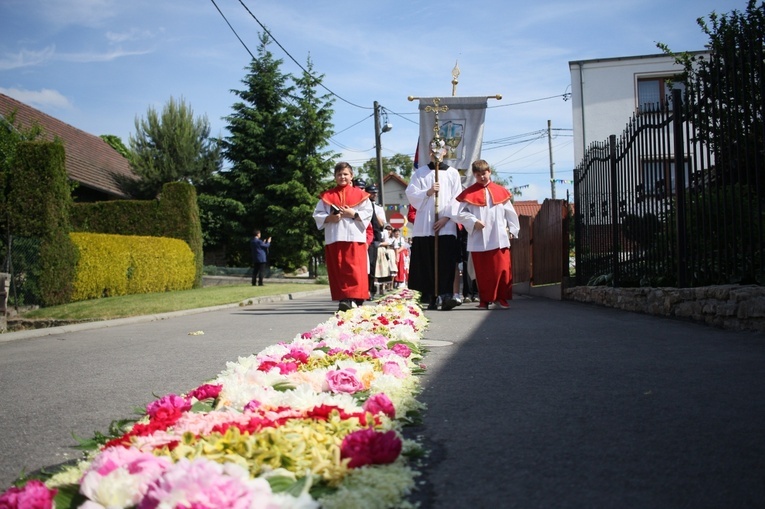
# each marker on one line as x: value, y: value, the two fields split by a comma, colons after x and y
x: 659, y: 177
x: 654, y: 94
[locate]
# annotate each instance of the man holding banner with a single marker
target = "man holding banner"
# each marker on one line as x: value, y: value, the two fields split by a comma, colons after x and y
x: 435, y: 250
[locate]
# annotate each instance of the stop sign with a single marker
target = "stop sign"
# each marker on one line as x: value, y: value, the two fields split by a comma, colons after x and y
x: 397, y: 220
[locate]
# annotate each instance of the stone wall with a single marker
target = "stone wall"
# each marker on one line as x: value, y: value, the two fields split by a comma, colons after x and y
x: 727, y: 306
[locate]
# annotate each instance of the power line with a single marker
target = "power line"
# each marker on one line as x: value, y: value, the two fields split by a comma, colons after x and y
x: 296, y: 62
x: 232, y: 29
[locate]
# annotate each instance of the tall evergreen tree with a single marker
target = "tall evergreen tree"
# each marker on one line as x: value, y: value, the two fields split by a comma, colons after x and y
x: 293, y: 199
x: 277, y: 133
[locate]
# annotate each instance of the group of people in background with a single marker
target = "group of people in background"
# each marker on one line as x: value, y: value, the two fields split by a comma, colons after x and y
x: 364, y: 255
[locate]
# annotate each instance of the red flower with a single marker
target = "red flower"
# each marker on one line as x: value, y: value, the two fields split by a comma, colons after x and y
x: 206, y: 391
x: 34, y: 495
x: 370, y: 447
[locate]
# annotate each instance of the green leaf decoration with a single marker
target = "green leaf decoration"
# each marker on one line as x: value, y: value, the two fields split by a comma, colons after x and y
x: 69, y: 496
x: 284, y: 387
x: 203, y: 406
x: 414, y: 348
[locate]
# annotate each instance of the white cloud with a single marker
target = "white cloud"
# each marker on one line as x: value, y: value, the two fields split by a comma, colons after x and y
x: 26, y: 58
x: 132, y: 34
x: 86, y: 57
x: 40, y: 99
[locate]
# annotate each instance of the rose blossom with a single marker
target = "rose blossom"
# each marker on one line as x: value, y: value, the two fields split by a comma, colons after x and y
x: 344, y: 380
x: 369, y: 447
x: 33, y: 495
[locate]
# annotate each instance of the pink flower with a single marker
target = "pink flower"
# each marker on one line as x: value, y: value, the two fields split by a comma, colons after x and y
x: 402, y: 350
x: 33, y: 495
x: 168, y: 406
x: 344, y: 380
x: 251, y: 406
x: 392, y: 368
x: 205, y: 484
x: 285, y: 368
x: 120, y: 476
x: 380, y: 403
x: 206, y: 391
x: 369, y: 447
x: 297, y: 354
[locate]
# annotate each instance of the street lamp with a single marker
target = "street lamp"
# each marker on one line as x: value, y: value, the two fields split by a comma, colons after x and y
x: 387, y: 126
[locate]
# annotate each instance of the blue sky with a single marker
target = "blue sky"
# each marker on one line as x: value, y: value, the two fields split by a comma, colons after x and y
x: 97, y: 64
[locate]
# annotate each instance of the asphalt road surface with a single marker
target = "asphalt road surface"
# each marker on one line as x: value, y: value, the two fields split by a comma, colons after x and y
x: 547, y: 405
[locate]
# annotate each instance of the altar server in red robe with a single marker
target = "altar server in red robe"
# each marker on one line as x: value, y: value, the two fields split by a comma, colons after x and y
x: 490, y: 219
x: 343, y: 212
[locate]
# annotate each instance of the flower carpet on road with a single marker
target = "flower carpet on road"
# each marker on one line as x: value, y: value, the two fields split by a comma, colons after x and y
x: 315, y: 422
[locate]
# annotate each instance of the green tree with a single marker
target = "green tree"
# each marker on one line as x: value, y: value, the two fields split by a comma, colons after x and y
x: 171, y: 146
x: 278, y: 132
x: 293, y: 199
x: 400, y: 164
x: 11, y: 135
x: 726, y: 94
x: 116, y: 143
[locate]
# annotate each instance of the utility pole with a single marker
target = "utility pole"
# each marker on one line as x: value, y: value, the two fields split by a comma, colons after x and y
x: 378, y: 154
x: 549, y: 145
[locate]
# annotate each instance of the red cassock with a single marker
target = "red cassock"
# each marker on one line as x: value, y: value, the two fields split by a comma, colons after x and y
x: 493, y: 268
x: 346, y: 261
x: 347, y: 270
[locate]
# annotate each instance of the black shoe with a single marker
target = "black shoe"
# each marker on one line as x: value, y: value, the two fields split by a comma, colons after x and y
x: 450, y: 303
x: 345, y: 305
x: 359, y: 302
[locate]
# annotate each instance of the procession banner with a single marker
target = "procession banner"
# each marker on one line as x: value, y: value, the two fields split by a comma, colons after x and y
x: 461, y: 127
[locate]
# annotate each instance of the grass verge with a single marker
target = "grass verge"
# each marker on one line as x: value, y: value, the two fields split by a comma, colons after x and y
x: 151, y: 303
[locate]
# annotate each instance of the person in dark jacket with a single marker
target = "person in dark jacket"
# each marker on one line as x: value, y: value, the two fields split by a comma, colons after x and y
x: 259, y: 252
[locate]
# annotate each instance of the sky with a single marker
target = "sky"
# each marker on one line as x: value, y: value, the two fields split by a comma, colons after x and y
x: 100, y: 64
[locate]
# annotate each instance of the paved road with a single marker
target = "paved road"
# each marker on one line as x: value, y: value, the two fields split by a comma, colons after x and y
x: 548, y: 405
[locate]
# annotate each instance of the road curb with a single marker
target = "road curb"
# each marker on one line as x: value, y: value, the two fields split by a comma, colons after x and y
x: 101, y: 324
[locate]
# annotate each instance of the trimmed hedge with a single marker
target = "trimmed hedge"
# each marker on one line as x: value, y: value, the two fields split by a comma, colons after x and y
x: 39, y: 200
x: 175, y: 214
x: 112, y: 265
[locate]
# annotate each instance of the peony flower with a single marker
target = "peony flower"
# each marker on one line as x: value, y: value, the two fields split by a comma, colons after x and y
x: 168, y: 407
x: 344, y: 380
x: 206, y: 391
x: 33, y: 495
x: 370, y: 447
x: 380, y: 403
x: 402, y: 350
x: 119, y: 477
x: 203, y: 483
x: 298, y: 354
x: 392, y: 368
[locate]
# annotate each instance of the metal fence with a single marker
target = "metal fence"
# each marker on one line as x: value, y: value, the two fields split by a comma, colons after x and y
x: 674, y: 201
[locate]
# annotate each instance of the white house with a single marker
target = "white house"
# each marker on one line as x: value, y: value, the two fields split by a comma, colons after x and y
x: 607, y: 92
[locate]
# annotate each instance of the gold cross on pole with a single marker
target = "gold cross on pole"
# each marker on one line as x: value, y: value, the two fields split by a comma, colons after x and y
x: 437, y: 144
x: 437, y: 151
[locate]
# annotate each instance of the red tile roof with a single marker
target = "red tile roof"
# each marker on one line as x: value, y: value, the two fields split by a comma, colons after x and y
x: 527, y: 207
x: 89, y: 160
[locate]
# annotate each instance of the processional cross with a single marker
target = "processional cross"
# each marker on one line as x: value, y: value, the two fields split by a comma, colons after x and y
x: 437, y: 151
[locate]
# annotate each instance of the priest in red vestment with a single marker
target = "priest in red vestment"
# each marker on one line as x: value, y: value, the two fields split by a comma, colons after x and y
x: 343, y: 212
x: 490, y: 219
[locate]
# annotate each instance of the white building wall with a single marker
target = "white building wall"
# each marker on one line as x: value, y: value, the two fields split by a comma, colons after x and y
x: 604, y: 94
